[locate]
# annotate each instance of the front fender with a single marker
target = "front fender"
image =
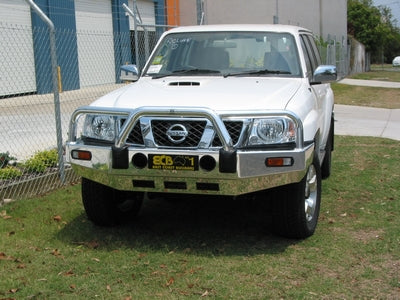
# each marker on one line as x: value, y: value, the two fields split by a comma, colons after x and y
x: 310, y: 125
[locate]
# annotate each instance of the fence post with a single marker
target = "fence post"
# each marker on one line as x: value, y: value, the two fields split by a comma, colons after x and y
x: 54, y: 67
x: 135, y: 25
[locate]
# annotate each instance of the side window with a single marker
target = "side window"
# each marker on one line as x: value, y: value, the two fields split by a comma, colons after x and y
x: 306, y: 57
x: 315, y: 50
x: 312, y: 52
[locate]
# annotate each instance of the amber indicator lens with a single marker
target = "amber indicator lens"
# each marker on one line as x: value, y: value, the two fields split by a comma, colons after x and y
x: 279, y: 161
x: 82, y: 155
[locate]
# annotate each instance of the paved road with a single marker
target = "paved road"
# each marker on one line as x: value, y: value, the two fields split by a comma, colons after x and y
x: 372, y: 83
x: 27, y: 123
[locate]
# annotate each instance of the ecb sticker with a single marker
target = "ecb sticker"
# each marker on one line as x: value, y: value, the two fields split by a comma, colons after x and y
x: 162, y: 160
x: 173, y: 162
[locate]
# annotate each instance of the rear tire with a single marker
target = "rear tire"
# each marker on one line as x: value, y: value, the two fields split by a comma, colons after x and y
x: 106, y: 206
x: 296, y: 206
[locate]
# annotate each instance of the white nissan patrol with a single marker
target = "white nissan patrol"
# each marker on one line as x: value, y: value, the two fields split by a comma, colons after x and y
x: 217, y: 110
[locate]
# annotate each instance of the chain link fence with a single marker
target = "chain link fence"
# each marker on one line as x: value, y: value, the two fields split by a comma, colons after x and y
x: 29, y: 157
x: 29, y: 163
x: 335, y: 52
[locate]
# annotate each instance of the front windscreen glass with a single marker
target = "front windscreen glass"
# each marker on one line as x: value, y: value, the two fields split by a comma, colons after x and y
x: 225, y: 54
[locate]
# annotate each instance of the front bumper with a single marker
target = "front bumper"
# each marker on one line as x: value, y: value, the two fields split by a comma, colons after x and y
x: 250, y: 171
x: 229, y: 170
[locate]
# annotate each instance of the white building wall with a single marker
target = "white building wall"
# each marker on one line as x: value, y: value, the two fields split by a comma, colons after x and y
x: 335, y: 18
x: 323, y: 17
x: 16, y: 49
x: 188, y: 12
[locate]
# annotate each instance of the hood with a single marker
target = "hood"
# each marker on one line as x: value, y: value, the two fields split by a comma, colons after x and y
x: 216, y: 93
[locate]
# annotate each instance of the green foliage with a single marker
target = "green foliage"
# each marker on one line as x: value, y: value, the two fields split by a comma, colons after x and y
x: 5, y: 158
x: 373, y: 26
x: 41, y: 161
x: 10, y: 172
x: 363, y: 22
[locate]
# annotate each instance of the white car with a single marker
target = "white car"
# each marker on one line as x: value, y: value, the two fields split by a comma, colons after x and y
x: 396, y: 61
x: 230, y: 110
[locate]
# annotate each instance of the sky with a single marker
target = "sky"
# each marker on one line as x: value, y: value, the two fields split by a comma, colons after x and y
x: 394, y: 5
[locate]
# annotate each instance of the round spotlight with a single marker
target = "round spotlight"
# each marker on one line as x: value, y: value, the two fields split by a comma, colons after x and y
x: 207, y: 163
x: 139, y: 160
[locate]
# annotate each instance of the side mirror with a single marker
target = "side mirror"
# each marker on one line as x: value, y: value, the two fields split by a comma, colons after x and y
x: 324, y: 74
x: 129, y: 73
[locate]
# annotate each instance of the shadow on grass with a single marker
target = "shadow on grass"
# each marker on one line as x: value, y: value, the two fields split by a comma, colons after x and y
x: 201, y: 226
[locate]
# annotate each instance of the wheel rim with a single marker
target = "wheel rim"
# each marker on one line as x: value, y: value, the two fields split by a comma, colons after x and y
x: 311, y: 193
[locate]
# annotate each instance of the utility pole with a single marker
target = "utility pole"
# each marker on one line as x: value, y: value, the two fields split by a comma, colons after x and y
x: 321, y: 28
x: 276, y: 17
x: 200, y: 12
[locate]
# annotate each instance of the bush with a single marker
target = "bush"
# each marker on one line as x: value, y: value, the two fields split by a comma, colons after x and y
x: 5, y: 158
x: 41, y: 161
x: 10, y: 173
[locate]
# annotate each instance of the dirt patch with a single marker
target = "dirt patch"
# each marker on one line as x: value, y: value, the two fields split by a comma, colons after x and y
x: 366, y: 236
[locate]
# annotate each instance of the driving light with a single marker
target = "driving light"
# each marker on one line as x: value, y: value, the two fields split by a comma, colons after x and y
x: 101, y: 127
x: 273, y: 131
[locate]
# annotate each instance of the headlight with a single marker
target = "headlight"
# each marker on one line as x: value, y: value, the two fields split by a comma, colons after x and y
x: 100, y: 127
x: 273, y: 131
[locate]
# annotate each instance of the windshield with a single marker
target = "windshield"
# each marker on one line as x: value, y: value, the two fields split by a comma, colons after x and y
x: 225, y: 54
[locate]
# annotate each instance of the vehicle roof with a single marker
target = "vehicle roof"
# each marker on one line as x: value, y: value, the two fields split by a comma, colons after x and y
x: 241, y: 27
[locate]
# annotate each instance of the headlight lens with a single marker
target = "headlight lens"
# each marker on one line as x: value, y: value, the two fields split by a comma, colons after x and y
x: 273, y: 131
x: 100, y: 127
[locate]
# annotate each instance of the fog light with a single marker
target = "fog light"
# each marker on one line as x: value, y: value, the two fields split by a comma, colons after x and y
x: 139, y: 160
x: 208, y: 163
x: 80, y: 154
x: 279, y: 162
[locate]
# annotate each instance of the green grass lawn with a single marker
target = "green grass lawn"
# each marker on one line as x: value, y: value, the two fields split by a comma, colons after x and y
x: 366, y: 96
x: 370, y: 96
x: 380, y: 72
x: 214, y: 248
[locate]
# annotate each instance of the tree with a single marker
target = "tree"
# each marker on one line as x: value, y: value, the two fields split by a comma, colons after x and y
x: 363, y: 22
x: 374, y: 27
x: 391, y: 42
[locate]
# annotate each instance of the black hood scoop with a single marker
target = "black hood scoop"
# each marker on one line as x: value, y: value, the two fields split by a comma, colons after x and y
x: 184, y: 83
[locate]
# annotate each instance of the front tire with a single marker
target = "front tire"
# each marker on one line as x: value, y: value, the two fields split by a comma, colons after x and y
x: 296, y: 206
x: 106, y: 206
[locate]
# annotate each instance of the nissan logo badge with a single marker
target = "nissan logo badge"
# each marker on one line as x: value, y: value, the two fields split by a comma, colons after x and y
x: 177, y: 133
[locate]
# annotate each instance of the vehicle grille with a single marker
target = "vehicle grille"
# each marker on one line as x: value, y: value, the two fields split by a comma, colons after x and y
x: 195, y: 131
x: 234, y: 128
x: 135, y: 137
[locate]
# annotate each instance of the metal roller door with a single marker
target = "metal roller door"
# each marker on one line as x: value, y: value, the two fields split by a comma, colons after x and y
x: 17, y: 63
x: 95, y: 42
x: 147, y: 12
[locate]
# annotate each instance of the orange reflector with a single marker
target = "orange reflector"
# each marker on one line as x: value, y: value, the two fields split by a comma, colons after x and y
x: 80, y: 154
x: 279, y: 161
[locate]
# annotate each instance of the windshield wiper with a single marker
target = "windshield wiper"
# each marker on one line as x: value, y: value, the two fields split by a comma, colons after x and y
x: 186, y: 71
x: 257, y: 72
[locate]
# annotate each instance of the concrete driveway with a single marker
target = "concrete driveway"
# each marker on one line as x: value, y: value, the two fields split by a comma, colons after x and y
x: 368, y: 121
